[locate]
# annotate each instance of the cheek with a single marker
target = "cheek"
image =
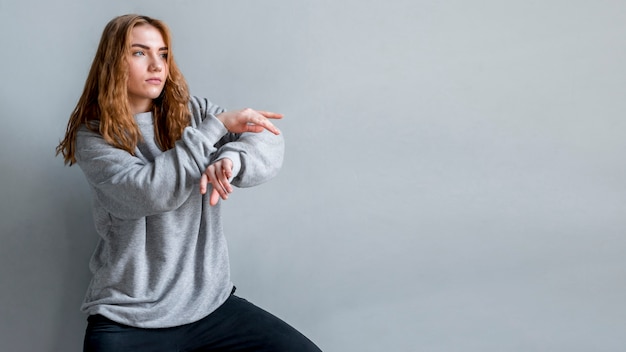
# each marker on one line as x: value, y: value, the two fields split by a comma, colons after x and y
x: 134, y: 70
x: 131, y: 71
x: 134, y: 80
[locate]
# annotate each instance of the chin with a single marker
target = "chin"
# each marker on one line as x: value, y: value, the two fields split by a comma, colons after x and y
x: 154, y: 95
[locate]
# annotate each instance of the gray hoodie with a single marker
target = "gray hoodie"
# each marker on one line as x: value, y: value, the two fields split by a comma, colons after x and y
x: 162, y: 258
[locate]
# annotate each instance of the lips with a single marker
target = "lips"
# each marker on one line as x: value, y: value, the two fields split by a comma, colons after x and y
x: 154, y: 80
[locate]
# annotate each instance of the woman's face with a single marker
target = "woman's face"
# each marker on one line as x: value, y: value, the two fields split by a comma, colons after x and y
x: 148, y: 68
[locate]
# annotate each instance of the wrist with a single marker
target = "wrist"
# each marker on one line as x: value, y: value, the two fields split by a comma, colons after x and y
x: 212, y: 127
x: 222, y: 118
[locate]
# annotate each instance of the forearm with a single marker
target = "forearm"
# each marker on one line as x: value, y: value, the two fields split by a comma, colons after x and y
x: 256, y: 157
x: 130, y: 186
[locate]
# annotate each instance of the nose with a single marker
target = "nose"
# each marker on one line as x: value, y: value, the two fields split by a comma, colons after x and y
x: 156, y: 66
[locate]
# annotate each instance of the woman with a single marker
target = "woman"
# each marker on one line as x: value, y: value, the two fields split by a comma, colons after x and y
x: 150, y: 153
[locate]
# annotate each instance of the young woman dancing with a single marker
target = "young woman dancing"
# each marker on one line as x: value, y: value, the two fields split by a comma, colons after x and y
x: 158, y: 160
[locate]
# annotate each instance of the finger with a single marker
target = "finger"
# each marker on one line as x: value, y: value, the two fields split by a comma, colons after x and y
x: 270, y: 115
x: 218, y: 177
x: 204, y: 180
x: 223, y: 180
x: 218, y: 187
x: 228, y: 173
x: 215, y: 197
x: 225, y: 171
x: 258, y: 122
x: 250, y: 127
x: 260, y: 127
x: 228, y: 167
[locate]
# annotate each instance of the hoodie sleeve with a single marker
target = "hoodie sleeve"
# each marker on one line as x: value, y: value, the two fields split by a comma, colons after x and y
x: 130, y: 187
x: 257, y: 157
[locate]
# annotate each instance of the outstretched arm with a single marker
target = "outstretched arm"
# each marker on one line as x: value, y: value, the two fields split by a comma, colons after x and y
x: 251, y: 155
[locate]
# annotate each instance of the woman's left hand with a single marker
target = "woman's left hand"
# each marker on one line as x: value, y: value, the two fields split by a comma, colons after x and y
x: 217, y: 174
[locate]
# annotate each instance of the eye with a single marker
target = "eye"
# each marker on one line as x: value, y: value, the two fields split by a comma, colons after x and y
x: 163, y: 55
x: 138, y: 53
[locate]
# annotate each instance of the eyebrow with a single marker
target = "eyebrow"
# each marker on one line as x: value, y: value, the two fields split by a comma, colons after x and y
x: 147, y: 47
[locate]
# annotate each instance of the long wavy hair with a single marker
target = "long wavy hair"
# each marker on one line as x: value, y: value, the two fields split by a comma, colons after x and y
x: 104, y: 105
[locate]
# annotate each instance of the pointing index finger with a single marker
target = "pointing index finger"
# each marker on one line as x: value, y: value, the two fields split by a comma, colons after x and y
x: 270, y: 115
x: 262, y: 120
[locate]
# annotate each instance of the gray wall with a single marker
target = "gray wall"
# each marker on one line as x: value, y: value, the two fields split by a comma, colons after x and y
x: 454, y: 177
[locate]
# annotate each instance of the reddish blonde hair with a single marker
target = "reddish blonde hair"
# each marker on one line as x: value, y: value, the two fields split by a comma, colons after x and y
x: 104, y: 106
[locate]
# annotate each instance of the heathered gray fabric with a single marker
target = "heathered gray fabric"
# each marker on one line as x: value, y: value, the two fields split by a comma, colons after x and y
x: 162, y: 259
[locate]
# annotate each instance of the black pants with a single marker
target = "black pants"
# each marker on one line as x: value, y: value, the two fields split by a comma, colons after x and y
x: 237, y: 325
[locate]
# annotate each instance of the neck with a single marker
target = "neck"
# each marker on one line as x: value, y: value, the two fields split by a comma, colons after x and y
x: 139, y: 107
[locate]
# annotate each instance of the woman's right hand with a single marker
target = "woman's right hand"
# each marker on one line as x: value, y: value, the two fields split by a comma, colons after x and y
x: 249, y: 120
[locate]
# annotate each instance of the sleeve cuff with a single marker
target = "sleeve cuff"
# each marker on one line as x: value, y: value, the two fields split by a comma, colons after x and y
x: 212, y: 128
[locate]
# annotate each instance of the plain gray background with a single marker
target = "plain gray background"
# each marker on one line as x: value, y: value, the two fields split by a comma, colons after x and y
x: 454, y: 176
